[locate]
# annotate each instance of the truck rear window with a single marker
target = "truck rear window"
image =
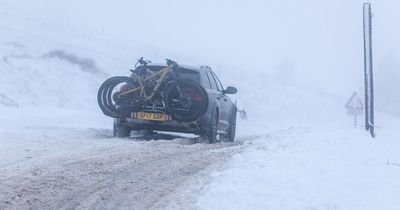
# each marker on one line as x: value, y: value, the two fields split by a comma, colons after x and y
x: 189, y: 74
x: 182, y: 73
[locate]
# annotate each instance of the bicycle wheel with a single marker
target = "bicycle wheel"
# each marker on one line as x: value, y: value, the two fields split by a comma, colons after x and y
x: 186, y: 100
x: 113, y: 103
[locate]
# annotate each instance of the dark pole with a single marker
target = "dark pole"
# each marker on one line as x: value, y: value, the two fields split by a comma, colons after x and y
x: 371, y: 78
x: 366, y: 71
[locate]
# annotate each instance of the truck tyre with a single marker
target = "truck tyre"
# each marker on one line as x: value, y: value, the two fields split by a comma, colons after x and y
x: 211, y: 133
x: 120, y: 130
x: 232, y: 128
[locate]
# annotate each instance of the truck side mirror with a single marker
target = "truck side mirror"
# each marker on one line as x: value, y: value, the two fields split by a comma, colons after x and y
x: 230, y: 90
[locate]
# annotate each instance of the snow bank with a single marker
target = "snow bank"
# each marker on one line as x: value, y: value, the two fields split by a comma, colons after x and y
x: 302, y: 168
x: 309, y: 165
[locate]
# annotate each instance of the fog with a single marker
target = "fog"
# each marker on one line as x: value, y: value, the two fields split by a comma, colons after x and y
x: 316, y: 43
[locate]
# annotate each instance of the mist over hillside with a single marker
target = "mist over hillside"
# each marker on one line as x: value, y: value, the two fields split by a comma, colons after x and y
x: 311, y: 44
x: 315, y: 44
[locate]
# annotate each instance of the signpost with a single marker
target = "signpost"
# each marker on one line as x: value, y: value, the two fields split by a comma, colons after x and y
x: 355, y: 107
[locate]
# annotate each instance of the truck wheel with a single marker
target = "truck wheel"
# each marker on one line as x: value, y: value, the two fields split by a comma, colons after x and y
x: 120, y: 130
x: 211, y: 133
x: 232, y: 128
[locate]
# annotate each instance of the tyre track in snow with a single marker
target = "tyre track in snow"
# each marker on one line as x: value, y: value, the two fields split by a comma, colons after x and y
x: 141, y: 175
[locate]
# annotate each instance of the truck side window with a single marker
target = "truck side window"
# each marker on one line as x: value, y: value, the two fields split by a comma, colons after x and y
x: 212, y: 81
x: 219, y: 84
x: 206, y: 81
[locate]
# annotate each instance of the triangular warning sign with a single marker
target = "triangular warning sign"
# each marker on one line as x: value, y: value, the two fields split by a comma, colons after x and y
x: 355, y: 102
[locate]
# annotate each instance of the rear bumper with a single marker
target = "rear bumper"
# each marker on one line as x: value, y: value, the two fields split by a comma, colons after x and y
x: 172, y: 126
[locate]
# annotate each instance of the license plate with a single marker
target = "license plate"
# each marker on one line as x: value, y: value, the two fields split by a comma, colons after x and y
x: 151, y: 116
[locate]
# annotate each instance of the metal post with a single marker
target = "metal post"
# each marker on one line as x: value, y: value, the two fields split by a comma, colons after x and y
x: 371, y: 79
x: 368, y: 70
x: 366, y: 81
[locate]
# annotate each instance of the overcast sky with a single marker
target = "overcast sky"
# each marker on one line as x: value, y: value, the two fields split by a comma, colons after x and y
x: 321, y: 38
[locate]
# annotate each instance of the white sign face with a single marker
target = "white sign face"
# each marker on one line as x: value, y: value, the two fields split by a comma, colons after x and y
x: 355, y: 106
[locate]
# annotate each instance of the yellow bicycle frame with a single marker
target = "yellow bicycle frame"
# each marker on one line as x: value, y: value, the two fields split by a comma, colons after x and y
x: 162, y: 73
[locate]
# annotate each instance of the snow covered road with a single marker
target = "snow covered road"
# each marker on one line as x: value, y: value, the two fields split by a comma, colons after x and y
x: 78, y: 165
x: 86, y: 168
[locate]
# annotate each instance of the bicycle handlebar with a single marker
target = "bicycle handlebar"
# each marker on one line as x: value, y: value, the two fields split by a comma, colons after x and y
x: 142, y: 62
x: 172, y: 63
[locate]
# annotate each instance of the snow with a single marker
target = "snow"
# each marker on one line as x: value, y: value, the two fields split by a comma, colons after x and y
x: 306, y: 155
x: 302, y: 168
x: 317, y: 162
x: 301, y: 150
x: 308, y: 159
